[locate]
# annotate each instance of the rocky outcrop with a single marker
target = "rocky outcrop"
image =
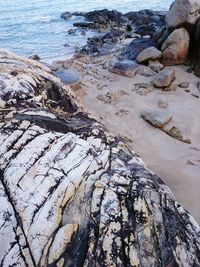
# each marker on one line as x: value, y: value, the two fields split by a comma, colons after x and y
x: 71, y: 193
x: 176, y: 48
x: 183, y: 13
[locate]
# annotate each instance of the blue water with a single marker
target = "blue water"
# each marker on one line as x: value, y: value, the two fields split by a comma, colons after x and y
x: 30, y: 27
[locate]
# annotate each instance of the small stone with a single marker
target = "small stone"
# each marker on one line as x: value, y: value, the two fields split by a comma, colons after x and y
x: 2, y: 104
x: 164, y: 78
x: 71, y: 31
x: 68, y: 76
x: 184, y: 85
x: 125, y: 67
x: 145, y: 71
x: 162, y: 103
x: 177, y: 134
x: 83, y: 33
x: 35, y: 57
x: 156, y: 117
x: 171, y: 87
x: 150, y: 53
x: 155, y: 65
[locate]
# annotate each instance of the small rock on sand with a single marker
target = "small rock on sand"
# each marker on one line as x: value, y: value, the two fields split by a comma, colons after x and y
x: 145, y: 71
x: 156, y: 117
x: 164, y: 78
x: 184, y: 85
x: 150, y: 53
x: 162, y: 103
x: 155, y: 65
x: 68, y: 76
x: 125, y: 67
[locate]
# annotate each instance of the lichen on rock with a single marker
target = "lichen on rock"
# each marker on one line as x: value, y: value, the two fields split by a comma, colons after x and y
x: 71, y: 193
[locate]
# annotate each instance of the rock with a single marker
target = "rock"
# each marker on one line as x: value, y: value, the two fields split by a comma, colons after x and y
x: 146, y: 17
x: 132, y: 34
x: 143, y: 88
x: 150, y: 53
x: 145, y: 30
x: 71, y: 31
x: 184, y: 85
x: 145, y: 71
x: 70, y: 190
x: 2, y: 104
x: 177, y: 134
x: 68, y: 76
x: 66, y: 15
x: 176, y: 48
x: 83, y: 33
x: 162, y: 103
x: 85, y: 24
x: 35, y: 57
x: 106, y: 18
x: 171, y: 87
x: 156, y: 117
x: 113, y: 36
x: 155, y: 65
x: 136, y: 46
x: 164, y: 78
x: 183, y: 13
x: 125, y: 67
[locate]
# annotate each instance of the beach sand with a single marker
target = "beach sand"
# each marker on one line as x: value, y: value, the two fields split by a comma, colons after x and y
x: 116, y: 102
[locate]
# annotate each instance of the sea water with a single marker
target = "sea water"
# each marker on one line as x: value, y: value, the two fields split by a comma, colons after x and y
x: 35, y: 26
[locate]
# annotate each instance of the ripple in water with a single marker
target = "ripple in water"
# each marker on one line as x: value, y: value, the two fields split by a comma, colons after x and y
x: 35, y: 27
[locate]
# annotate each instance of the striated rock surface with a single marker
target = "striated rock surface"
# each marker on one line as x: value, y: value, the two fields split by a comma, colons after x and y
x: 72, y: 194
x: 176, y: 47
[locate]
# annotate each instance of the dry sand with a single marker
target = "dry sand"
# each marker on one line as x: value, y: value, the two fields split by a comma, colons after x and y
x: 115, y: 101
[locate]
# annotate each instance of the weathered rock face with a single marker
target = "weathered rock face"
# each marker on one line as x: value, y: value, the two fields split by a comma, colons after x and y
x: 176, y: 48
x: 72, y: 194
x: 183, y: 13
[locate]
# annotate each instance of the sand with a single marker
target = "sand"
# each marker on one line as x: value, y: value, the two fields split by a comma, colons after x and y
x: 117, y: 103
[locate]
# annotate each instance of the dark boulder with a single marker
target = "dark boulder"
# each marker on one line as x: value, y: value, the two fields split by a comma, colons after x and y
x: 137, y: 46
x: 145, y: 30
x: 105, y: 18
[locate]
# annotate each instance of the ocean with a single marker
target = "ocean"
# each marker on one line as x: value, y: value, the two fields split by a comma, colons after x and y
x: 35, y: 26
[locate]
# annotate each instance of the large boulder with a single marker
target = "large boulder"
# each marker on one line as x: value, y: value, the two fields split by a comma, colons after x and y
x: 72, y: 194
x: 176, y: 47
x: 183, y: 13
